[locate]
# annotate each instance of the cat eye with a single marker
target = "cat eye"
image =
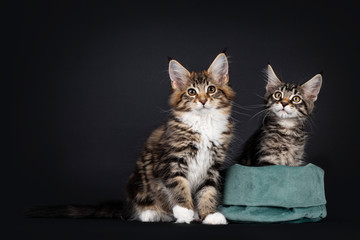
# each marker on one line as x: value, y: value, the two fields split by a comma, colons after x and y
x: 277, y: 95
x: 211, y: 89
x: 296, y: 99
x: 191, y: 92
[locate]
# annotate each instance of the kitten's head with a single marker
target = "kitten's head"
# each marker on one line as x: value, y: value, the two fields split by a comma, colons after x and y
x: 201, y: 91
x: 287, y: 100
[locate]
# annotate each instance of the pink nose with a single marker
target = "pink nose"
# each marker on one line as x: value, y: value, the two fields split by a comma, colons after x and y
x: 284, y: 103
x: 203, y: 101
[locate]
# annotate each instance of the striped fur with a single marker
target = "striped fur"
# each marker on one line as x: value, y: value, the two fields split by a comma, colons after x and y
x: 176, y: 176
x: 282, y: 137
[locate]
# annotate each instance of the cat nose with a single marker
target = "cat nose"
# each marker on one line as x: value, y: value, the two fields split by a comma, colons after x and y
x: 203, y: 101
x: 284, y: 103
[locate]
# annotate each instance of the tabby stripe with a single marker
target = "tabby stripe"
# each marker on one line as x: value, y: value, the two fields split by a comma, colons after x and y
x: 306, y: 107
x: 174, y: 174
x: 302, y: 112
x: 180, y: 99
x: 221, y: 91
x: 181, y: 200
x: 223, y: 105
x: 207, y: 183
x: 216, y: 166
x: 175, y: 159
x: 226, y: 132
x: 183, y: 129
x: 180, y: 149
x: 144, y: 202
x: 172, y: 185
x: 175, y: 119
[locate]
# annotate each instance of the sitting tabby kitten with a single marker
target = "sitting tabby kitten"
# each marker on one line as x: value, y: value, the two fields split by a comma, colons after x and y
x: 281, y: 139
x: 176, y: 176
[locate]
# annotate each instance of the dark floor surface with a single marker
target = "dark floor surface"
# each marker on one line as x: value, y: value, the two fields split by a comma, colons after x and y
x: 118, y: 229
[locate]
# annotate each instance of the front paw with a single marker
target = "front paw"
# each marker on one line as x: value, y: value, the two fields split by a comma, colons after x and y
x: 149, y: 216
x: 183, y: 215
x: 215, y: 219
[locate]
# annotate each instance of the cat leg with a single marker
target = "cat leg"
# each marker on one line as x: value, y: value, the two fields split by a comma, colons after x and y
x: 149, y: 215
x: 154, y: 213
x: 179, y: 189
x: 145, y: 207
x: 207, y: 201
x: 146, y: 212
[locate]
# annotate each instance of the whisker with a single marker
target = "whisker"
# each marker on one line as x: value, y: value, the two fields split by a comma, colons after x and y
x: 266, y: 114
x: 257, y: 114
x: 253, y: 106
x: 234, y: 120
x: 262, y: 97
x: 240, y: 106
x: 164, y: 110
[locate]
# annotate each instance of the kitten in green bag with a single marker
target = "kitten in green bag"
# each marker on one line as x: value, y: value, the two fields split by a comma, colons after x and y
x: 176, y: 177
x: 281, y: 138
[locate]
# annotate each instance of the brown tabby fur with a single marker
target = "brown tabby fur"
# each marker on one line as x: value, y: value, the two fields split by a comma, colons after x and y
x: 161, y: 177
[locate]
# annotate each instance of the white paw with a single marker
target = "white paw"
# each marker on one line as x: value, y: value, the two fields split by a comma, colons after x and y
x: 149, y: 216
x: 215, y: 218
x: 183, y: 215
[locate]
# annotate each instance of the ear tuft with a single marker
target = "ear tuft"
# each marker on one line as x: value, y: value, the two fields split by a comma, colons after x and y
x: 219, y: 69
x: 224, y: 50
x: 312, y: 87
x: 178, y: 74
x: 272, y: 80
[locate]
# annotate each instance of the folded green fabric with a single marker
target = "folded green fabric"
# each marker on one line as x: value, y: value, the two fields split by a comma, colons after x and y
x: 274, y: 194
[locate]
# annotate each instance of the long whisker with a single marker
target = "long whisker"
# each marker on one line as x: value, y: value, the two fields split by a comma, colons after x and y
x: 265, y: 116
x: 234, y: 120
x: 240, y: 106
x: 257, y: 114
x: 262, y: 97
x: 253, y: 106
x: 164, y: 110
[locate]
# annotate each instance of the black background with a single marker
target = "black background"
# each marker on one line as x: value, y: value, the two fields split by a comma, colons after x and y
x: 89, y: 83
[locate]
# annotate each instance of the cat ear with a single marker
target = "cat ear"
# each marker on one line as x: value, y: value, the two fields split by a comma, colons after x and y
x: 178, y: 75
x: 219, y: 69
x: 312, y: 87
x: 272, y: 80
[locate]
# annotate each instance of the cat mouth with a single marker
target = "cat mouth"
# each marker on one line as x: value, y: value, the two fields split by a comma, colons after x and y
x: 283, y: 113
x: 203, y: 108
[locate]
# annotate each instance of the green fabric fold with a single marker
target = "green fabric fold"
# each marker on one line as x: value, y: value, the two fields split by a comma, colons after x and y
x: 274, y: 194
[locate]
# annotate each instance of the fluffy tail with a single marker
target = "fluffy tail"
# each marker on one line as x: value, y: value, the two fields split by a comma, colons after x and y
x: 111, y: 209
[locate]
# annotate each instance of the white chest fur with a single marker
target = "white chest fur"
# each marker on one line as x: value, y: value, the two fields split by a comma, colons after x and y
x: 210, y: 125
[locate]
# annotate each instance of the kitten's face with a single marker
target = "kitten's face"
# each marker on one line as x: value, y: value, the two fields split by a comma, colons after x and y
x: 201, y: 91
x: 287, y: 100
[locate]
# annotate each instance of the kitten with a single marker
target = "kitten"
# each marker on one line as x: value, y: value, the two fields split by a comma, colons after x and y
x: 282, y: 137
x: 177, y: 174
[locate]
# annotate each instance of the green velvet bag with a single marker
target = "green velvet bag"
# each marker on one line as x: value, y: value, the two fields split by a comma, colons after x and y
x: 274, y: 194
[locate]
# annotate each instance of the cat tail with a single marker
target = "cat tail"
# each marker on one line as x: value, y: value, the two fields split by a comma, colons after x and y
x: 110, y: 209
